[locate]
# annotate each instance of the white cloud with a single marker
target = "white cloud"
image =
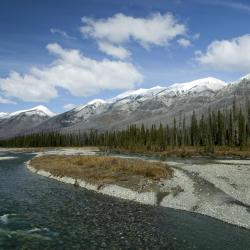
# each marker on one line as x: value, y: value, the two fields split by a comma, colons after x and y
x: 6, y: 101
x: 185, y: 43
x: 115, y: 51
x: 235, y: 5
x: 27, y: 87
x: 80, y: 75
x: 228, y: 55
x: 61, y: 33
x: 69, y: 106
x: 229, y: 4
x: 156, y: 29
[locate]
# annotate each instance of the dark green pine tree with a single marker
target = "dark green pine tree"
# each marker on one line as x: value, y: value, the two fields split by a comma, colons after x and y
x: 194, y: 130
x: 241, y: 129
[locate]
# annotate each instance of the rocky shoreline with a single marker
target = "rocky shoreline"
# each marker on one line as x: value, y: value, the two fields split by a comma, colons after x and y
x: 112, y: 190
x: 192, y: 188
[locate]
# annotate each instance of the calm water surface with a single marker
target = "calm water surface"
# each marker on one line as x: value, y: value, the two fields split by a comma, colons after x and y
x: 39, y: 213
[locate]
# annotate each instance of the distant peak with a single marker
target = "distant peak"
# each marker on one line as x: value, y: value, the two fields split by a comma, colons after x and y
x: 210, y: 78
x: 205, y: 83
x: 208, y: 83
x: 207, y: 80
x: 44, y: 110
x: 96, y: 101
x: 247, y: 77
x: 138, y: 92
x: 3, y: 114
x: 41, y: 109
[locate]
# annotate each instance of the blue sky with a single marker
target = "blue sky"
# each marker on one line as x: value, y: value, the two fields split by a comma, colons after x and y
x: 64, y: 52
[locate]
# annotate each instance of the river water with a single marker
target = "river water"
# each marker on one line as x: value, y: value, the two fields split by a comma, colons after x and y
x: 40, y: 213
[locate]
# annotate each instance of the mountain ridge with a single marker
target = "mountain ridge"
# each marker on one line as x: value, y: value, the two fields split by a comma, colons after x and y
x: 40, y: 108
x: 153, y: 105
x: 18, y: 122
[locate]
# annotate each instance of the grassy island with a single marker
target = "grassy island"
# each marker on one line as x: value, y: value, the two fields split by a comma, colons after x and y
x: 135, y: 174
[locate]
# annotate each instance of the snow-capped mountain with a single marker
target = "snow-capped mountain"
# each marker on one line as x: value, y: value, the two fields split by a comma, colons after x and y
x: 38, y: 110
x: 2, y: 115
x: 148, y: 106
x: 135, y: 106
x: 94, y: 103
x: 246, y: 77
x: 243, y: 78
x: 205, y: 84
x: 210, y: 83
x: 137, y: 93
x: 18, y: 122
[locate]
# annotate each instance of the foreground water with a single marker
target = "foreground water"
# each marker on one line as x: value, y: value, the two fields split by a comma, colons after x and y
x: 40, y: 213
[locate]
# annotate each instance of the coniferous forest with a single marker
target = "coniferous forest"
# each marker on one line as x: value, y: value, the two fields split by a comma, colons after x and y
x: 229, y: 127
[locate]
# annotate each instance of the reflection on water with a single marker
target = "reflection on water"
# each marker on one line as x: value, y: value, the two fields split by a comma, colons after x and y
x: 39, y: 213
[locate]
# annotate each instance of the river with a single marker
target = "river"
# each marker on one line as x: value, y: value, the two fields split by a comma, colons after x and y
x: 41, y: 213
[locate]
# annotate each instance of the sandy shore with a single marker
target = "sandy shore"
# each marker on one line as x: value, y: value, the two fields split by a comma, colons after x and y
x: 220, y: 189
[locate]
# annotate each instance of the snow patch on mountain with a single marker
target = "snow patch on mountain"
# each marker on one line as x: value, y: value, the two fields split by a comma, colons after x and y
x: 125, y: 98
x: 246, y: 77
x: 234, y: 83
x: 39, y: 110
x: 209, y: 83
x: 96, y: 102
x: 138, y: 92
x: 93, y: 104
x: 3, y: 115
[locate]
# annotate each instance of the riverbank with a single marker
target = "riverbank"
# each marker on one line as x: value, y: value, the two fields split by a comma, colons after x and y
x: 137, y: 175
x: 219, y: 189
x: 37, y: 207
x: 137, y: 180
x: 182, y: 151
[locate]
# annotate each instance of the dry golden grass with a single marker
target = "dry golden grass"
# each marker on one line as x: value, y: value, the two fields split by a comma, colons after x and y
x: 103, y: 169
x: 189, y: 151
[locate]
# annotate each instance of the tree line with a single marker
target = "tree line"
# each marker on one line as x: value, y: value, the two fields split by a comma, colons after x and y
x: 230, y: 127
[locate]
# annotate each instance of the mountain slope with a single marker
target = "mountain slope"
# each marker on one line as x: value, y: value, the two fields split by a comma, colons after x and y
x: 18, y: 122
x: 147, y: 106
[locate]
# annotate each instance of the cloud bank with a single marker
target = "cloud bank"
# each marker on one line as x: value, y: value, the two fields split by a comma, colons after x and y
x: 6, y: 101
x: 227, y: 55
x: 183, y: 42
x: 72, y: 71
x: 229, y: 4
x: 112, y: 50
x: 154, y: 30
